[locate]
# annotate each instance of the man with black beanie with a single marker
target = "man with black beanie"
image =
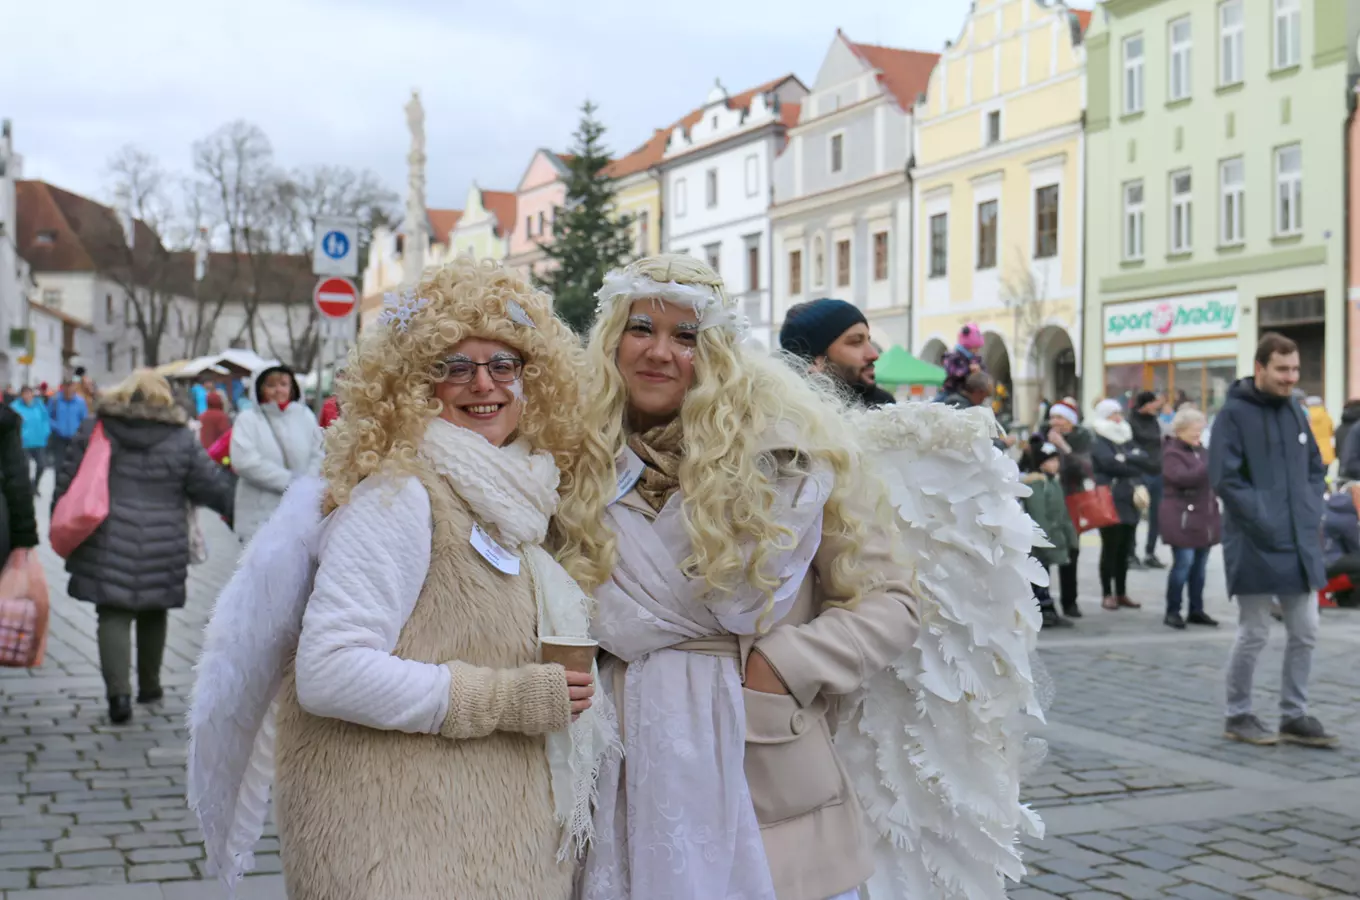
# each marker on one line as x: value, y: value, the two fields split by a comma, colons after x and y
x: 833, y: 337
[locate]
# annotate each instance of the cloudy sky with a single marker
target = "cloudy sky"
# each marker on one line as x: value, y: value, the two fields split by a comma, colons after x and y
x: 327, y: 79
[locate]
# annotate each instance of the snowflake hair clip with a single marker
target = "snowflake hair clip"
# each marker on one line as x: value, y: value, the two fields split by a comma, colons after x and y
x: 399, y: 308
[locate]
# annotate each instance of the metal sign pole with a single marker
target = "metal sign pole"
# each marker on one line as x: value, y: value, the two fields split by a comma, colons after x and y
x: 320, y: 358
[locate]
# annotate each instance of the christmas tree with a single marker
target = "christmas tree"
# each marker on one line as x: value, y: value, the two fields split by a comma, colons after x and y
x: 588, y: 239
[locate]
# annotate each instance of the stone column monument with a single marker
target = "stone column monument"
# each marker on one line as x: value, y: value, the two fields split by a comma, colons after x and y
x: 414, y: 225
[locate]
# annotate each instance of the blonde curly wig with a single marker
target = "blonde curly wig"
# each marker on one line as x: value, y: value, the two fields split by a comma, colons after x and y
x: 739, y: 395
x: 386, y: 390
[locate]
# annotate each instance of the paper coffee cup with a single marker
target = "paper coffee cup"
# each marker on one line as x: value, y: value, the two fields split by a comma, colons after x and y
x: 572, y: 653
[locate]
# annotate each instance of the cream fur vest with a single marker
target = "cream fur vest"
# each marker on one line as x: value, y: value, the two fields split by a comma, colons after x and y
x: 379, y: 815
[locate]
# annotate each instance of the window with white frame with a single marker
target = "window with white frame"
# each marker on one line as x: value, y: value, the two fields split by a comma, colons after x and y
x: 711, y: 188
x: 1288, y: 49
x: 1178, y: 75
x: 1230, y: 36
x: 1133, y: 74
x: 993, y: 135
x: 1289, y: 190
x: 843, y: 263
x: 752, y: 175
x: 1133, y: 220
x: 713, y: 256
x: 679, y: 197
x: 795, y: 272
x: 837, y: 152
x: 1046, y: 221
x: 986, y: 235
x: 643, y: 244
x: 1231, y: 188
x: 939, y: 245
x: 818, y: 262
x: 1181, y: 208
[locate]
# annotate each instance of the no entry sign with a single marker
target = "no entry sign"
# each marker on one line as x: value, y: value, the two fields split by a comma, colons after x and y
x: 335, y: 297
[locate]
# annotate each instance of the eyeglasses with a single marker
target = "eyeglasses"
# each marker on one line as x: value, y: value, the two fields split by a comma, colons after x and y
x: 461, y: 371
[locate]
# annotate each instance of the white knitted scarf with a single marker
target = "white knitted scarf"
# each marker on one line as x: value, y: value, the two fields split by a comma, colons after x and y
x: 513, y: 490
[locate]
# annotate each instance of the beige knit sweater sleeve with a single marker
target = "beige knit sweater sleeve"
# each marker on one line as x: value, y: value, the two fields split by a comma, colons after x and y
x: 531, y: 699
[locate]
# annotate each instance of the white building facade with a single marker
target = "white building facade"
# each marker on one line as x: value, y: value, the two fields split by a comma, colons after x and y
x: 841, y: 218
x: 716, y: 181
x: 15, y: 280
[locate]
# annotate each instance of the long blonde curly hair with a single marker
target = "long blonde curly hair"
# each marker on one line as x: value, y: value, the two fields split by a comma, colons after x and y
x: 726, y: 478
x: 386, y: 390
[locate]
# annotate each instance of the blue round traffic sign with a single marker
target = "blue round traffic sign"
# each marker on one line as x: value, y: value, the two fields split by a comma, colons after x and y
x: 335, y: 245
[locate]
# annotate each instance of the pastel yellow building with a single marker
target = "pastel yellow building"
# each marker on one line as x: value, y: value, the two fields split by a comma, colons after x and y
x: 637, y: 191
x: 998, y: 197
x: 485, y: 227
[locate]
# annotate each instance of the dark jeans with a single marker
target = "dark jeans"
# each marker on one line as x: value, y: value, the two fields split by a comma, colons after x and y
x: 1042, y: 593
x: 58, y: 444
x: 39, y: 457
x: 1067, y: 581
x: 115, y: 649
x: 1187, y: 567
x: 1154, y: 487
x: 1116, y: 544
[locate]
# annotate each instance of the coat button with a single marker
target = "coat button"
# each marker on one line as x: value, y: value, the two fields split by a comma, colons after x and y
x: 798, y: 723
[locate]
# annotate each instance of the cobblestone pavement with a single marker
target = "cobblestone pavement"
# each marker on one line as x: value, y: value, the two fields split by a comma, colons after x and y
x: 1141, y: 796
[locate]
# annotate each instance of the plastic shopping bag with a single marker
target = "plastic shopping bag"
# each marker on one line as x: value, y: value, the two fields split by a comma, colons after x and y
x: 85, y: 505
x: 23, y: 610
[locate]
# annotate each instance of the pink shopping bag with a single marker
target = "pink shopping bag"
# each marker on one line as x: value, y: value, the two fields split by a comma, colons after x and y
x: 85, y: 505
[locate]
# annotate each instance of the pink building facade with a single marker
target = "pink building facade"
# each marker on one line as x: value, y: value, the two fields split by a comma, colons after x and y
x: 541, y: 190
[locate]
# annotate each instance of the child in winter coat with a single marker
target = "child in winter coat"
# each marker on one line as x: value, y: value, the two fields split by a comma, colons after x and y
x: 963, y: 360
x: 1047, y: 505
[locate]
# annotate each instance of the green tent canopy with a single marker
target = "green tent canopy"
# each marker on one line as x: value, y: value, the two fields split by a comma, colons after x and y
x: 897, y: 366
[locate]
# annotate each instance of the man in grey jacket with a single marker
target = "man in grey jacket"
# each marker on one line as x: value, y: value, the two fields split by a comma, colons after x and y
x: 1265, y: 466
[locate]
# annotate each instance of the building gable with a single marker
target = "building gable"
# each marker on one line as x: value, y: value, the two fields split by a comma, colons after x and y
x: 544, y: 168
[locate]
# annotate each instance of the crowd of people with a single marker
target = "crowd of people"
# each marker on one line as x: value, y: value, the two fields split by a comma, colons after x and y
x: 133, y: 566
x: 1255, y: 483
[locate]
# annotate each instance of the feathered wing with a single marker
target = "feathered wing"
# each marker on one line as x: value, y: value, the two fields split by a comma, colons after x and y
x: 252, y: 634
x: 935, y: 744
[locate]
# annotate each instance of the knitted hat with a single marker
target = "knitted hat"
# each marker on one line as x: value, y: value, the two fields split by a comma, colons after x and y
x: 1064, y: 411
x: 1044, y: 453
x: 810, y: 328
x: 970, y: 337
x: 1106, y: 408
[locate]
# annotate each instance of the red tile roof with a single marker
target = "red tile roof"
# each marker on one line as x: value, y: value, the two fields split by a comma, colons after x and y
x: 59, y: 231
x: 442, y: 221
x: 501, y: 204
x: 903, y: 73
x: 652, y: 151
x: 1083, y: 18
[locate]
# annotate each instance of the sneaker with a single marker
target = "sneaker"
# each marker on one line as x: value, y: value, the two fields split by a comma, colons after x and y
x: 1307, y: 731
x: 1136, y: 563
x: 1052, y: 619
x: 1199, y: 618
x: 1174, y: 620
x: 1249, y: 730
x: 1153, y: 562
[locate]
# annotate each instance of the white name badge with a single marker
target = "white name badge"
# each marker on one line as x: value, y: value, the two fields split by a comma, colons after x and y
x: 630, y: 468
x: 492, y: 552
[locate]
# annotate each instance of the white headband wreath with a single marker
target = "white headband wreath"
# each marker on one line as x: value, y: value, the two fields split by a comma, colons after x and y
x: 625, y: 285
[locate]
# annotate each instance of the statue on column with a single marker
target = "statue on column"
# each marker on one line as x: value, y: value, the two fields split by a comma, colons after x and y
x: 414, y: 224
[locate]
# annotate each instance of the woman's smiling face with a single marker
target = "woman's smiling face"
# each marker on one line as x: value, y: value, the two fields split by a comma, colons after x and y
x: 482, y: 389
x: 656, y: 359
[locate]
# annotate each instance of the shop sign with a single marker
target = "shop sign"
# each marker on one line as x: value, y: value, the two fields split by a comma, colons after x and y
x: 1172, y: 318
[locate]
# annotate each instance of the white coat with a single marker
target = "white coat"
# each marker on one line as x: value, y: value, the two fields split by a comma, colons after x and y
x: 270, y: 447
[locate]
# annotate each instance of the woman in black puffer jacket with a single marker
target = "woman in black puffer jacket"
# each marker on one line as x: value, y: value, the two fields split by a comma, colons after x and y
x: 133, y: 567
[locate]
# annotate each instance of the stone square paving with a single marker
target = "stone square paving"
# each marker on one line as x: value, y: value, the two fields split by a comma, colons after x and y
x: 1141, y: 796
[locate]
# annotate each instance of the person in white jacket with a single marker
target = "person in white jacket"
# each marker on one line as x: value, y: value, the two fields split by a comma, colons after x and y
x: 273, y: 442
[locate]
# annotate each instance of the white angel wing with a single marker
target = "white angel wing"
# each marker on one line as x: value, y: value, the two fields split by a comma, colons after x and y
x: 252, y: 633
x: 936, y: 744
